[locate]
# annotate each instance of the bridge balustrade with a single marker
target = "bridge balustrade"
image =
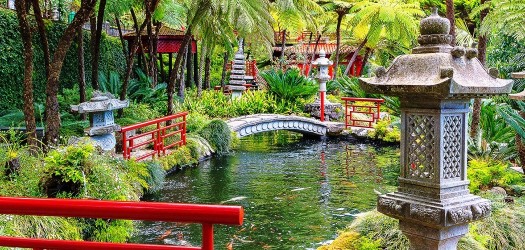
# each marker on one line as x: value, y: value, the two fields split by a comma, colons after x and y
x: 361, y: 112
x: 157, y: 132
x: 207, y: 215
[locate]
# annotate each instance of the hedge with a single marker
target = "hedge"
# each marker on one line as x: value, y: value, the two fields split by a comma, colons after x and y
x: 12, y: 61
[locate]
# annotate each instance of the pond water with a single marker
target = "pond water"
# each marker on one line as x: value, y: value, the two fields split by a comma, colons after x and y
x: 296, y: 192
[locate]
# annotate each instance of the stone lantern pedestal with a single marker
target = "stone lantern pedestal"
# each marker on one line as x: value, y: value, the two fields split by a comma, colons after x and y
x: 102, y: 124
x: 435, y: 85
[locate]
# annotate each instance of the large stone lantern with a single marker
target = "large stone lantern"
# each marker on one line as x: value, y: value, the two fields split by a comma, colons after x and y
x: 101, y: 121
x: 435, y: 84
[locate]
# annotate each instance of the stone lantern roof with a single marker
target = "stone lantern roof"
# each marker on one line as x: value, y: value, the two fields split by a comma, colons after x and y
x: 100, y: 102
x: 437, y: 70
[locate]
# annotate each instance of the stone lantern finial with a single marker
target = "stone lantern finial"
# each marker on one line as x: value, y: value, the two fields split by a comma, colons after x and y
x: 435, y: 35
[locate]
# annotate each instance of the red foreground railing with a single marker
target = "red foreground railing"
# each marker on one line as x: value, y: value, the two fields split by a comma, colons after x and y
x: 207, y: 215
x: 154, y: 133
x: 367, y: 110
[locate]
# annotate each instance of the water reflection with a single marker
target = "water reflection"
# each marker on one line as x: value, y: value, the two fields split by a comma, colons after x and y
x: 296, y: 192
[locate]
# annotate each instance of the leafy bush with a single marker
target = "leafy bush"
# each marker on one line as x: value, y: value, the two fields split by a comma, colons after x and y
x: 137, y: 112
x: 289, y: 85
x: 386, y: 130
x: 218, y: 134
x: 485, y: 173
x: 179, y: 157
x: 349, y: 86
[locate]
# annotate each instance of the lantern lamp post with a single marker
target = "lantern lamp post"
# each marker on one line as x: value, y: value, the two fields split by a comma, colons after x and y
x: 322, y: 64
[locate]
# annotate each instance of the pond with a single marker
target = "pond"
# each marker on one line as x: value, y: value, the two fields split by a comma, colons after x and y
x: 296, y: 192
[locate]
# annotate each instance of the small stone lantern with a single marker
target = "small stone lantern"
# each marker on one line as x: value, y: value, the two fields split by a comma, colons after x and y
x: 435, y: 84
x: 238, y: 72
x: 321, y: 107
x: 101, y: 121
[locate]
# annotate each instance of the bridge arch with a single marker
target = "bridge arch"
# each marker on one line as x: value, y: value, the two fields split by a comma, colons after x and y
x: 253, y: 124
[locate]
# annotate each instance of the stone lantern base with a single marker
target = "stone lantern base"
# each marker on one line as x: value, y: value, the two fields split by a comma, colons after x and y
x: 332, y: 111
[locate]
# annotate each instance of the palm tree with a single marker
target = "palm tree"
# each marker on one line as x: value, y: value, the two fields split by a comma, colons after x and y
x: 341, y: 8
x: 385, y: 19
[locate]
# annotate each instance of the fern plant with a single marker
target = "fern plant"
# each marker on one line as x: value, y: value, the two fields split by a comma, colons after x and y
x: 289, y: 85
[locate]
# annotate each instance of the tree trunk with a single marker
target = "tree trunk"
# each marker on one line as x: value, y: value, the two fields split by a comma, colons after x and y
x: 340, y: 15
x: 368, y: 52
x: 96, y: 44
x: 476, y: 107
x: 42, y: 32
x: 207, y: 72
x: 313, y: 55
x: 161, y: 64
x: 93, y: 35
x: 450, y: 16
x: 224, y: 66
x: 131, y: 55
x: 182, y: 80
x: 305, y: 61
x: 520, y: 147
x: 201, y: 69
x: 121, y: 37
x: 29, y: 110
x: 52, y: 109
x: 153, y: 55
x: 175, y: 74
x: 189, y: 68
x: 81, y: 70
x: 354, y: 56
x: 283, y: 46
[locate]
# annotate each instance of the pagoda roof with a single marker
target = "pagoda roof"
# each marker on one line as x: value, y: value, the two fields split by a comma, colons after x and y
x: 304, y: 48
x: 164, y: 31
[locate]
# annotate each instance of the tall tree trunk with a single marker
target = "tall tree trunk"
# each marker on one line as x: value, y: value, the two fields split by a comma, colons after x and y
x: 42, y: 32
x: 305, y: 61
x: 52, y: 109
x: 354, y: 56
x: 161, y: 65
x: 340, y: 15
x: 450, y: 16
x: 93, y: 35
x: 81, y: 70
x: 476, y: 107
x: 313, y: 55
x: 175, y: 73
x: 207, y: 72
x: 224, y: 66
x: 201, y: 68
x: 368, y: 52
x: 121, y: 37
x: 520, y: 146
x: 96, y: 44
x: 29, y: 110
x: 153, y: 55
x: 182, y: 80
x: 189, y: 68
x: 130, y: 56
x: 283, y: 46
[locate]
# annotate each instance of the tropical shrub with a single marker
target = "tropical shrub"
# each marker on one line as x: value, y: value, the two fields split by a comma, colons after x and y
x: 289, y: 85
x: 485, y: 173
x: 386, y: 130
x: 218, y: 134
x: 179, y: 157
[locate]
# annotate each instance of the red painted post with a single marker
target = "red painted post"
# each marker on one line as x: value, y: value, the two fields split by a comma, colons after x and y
x: 322, y: 93
x: 124, y: 144
x: 207, y: 237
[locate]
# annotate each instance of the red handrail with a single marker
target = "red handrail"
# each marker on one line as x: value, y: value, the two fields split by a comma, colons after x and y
x: 370, y: 110
x: 168, y: 126
x: 207, y: 215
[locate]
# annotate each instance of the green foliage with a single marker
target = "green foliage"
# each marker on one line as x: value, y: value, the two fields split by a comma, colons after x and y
x: 289, y: 85
x: 386, y: 130
x: 12, y: 66
x: 140, y: 91
x: 504, y: 229
x: 218, y: 134
x: 349, y: 86
x: 195, y: 121
x: 110, y: 83
x: 485, y: 173
x: 179, y: 157
x: 137, y: 112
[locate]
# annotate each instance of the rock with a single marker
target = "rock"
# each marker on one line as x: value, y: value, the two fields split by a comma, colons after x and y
x: 498, y: 190
x: 334, y: 128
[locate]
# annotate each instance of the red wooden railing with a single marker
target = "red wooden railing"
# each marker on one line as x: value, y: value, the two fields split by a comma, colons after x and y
x: 368, y: 107
x: 154, y: 133
x: 207, y: 215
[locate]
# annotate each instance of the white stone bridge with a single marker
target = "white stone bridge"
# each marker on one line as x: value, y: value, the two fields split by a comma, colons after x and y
x: 253, y: 124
